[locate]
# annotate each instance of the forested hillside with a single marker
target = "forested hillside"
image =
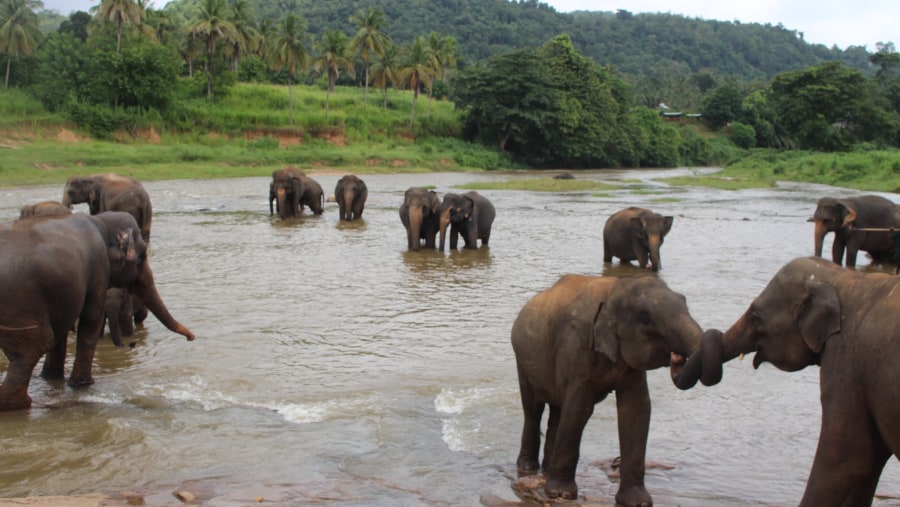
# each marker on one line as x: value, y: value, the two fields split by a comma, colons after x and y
x: 637, y: 44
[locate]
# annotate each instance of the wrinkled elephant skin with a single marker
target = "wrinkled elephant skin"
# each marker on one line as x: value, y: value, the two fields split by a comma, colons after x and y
x: 419, y: 214
x: 57, y: 270
x: 578, y: 341
x: 635, y: 234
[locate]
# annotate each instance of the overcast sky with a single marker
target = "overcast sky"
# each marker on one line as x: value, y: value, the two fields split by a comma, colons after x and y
x: 828, y: 22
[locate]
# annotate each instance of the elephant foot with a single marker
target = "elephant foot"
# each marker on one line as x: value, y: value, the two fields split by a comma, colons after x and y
x: 527, y: 466
x: 80, y: 381
x: 565, y: 489
x: 52, y: 373
x: 16, y: 401
x: 634, y: 496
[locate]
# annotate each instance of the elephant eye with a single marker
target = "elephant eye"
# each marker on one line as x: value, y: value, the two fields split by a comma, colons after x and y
x: 645, y: 319
x: 755, y: 320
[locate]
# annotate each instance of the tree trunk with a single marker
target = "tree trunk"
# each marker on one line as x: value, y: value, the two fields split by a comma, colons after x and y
x: 412, y: 114
x: 367, y: 84
x: 8, y: 64
x: 291, y: 95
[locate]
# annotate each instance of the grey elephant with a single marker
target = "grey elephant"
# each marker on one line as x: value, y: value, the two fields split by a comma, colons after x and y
x: 635, y: 234
x: 419, y: 214
x: 847, y: 218
x: 286, y: 190
x: 44, y: 208
x: 813, y: 312
x: 581, y: 339
x: 469, y: 215
x: 351, y: 194
x: 111, y: 192
x: 57, y: 270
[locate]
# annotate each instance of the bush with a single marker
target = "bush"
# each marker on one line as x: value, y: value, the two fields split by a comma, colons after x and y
x: 743, y: 135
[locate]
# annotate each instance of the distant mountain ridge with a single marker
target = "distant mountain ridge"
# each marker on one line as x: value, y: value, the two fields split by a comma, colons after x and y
x: 637, y: 44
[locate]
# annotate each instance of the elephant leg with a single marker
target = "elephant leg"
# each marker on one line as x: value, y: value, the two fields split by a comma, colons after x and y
x: 14, y: 389
x: 864, y: 492
x: 607, y: 251
x: 89, y: 326
x: 454, y: 236
x: 575, y: 411
x: 550, y: 437
x: 852, y: 250
x: 837, y: 249
x: 633, y: 417
x: 55, y: 360
x: 642, y: 258
x: 848, y: 447
x: 471, y: 237
x: 527, y: 463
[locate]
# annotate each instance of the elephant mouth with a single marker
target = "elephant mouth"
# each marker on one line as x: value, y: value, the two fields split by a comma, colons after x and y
x: 758, y: 359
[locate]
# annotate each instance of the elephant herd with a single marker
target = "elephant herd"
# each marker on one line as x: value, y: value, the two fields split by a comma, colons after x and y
x: 574, y: 343
x: 587, y: 336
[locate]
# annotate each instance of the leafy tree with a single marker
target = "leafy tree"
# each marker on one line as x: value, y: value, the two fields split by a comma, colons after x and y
x: 288, y: 52
x: 829, y: 107
x: 147, y: 76
x: 65, y: 66
x: 120, y: 12
x: 418, y: 66
x: 77, y: 25
x: 369, y: 39
x: 210, y: 26
x: 19, y: 33
x: 386, y: 71
x: 743, y: 135
x: 334, y: 55
x: 247, y: 37
x: 723, y: 104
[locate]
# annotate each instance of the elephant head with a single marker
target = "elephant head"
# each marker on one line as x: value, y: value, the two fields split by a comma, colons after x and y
x: 648, y: 325
x: 455, y: 209
x: 419, y: 214
x: 286, y: 189
x: 129, y: 268
x: 81, y: 189
x: 350, y: 193
x: 831, y: 215
x: 648, y: 232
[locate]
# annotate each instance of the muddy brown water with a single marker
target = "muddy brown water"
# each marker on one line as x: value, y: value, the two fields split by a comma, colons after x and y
x: 333, y: 367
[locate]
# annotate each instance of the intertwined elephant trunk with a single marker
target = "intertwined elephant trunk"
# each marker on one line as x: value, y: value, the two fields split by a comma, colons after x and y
x: 704, y: 364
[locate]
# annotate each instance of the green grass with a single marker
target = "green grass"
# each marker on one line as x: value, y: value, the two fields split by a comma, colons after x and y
x: 540, y: 185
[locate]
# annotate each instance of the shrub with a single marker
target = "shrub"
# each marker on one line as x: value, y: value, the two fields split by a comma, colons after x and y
x: 743, y: 135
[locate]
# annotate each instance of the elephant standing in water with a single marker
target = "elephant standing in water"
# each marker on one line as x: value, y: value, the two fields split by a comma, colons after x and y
x: 814, y: 312
x: 56, y: 270
x: 419, y: 213
x: 291, y: 188
x: 111, y: 192
x: 635, y: 233
x: 44, y: 208
x: 846, y: 217
x: 580, y: 340
x: 469, y: 215
x: 351, y: 194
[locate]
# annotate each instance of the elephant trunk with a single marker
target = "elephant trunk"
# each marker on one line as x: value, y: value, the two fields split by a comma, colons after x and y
x: 444, y: 222
x: 655, y: 242
x: 348, y: 204
x: 281, y: 195
x: 145, y: 290
x: 416, y: 216
x: 820, y: 232
x: 66, y: 200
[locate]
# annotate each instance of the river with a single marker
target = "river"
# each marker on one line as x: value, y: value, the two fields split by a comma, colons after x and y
x: 333, y: 367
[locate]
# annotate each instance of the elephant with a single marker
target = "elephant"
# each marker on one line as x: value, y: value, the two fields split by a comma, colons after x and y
x: 469, y: 215
x: 56, y: 270
x: 120, y: 315
x: 419, y: 213
x: 350, y: 194
x: 44, y: 208
x: 286, y: 189
x: 845, y: 217
x: 111, y: 192
x: 635, y: 233
x: 581, y: 339
x: 814, y: 312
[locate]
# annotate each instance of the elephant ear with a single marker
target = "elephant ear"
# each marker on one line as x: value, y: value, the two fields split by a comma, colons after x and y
x: 470, y: 208
x: 849, y: 213
x: 819, y: 314
x: 637, y: 226
x: 667, y: 224
x: 603, y: 334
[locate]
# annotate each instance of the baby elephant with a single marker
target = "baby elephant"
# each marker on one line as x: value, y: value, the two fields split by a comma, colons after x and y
x: 469, y: 215
x: 44, y: 208
x: 635, y: 233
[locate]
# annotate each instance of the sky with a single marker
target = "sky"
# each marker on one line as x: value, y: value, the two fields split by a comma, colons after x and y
x: 830, y: 22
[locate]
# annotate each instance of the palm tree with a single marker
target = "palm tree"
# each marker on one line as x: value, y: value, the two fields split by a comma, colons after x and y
x: 211, y: 26
x: 418, y: 66
x: 334, y: 55
x: 247, y: 35
x: 369, y: 39
x: 121, y: 12
x: 288, y: 52
x: 19, y: 31
x: 386, y: 70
